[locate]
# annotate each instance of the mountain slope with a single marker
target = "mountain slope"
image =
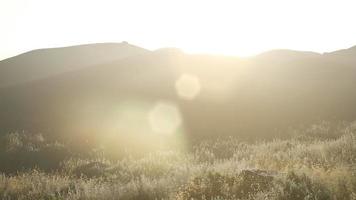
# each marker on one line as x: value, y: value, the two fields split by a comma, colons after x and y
x: 248, y: 98
x: 42, y: 63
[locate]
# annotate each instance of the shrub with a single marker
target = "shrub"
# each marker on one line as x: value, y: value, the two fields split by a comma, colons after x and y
x: 215, y: 185
x: 295, y: 187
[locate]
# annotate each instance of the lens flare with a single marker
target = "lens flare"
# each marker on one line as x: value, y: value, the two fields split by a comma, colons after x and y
x: 188, y: 86
x: 165, y: 118
x: 131, y: 117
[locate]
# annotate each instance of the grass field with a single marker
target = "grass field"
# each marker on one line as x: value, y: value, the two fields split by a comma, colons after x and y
x: 317, y: 163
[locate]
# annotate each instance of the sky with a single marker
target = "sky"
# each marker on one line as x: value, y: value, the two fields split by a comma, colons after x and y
x: 227, y: 27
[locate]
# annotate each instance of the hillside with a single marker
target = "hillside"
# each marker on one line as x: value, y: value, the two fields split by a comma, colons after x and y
x: 38, y: 64
x: 249, y: 98
x: 317, y: 163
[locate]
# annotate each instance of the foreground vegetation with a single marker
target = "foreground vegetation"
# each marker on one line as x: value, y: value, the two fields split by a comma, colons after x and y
x: 316, y: 163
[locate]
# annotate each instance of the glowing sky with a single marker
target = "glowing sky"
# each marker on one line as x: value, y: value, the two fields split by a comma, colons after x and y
x: 233, y: 27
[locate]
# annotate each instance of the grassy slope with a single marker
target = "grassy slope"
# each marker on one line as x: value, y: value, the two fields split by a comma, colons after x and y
x: 317, y: 163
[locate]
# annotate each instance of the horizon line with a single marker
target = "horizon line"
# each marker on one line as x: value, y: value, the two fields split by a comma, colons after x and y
x: 172, y: 47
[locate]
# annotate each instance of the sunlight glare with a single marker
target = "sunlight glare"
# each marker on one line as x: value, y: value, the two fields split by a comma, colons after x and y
x: 165, y: 118
x: 188, y: 86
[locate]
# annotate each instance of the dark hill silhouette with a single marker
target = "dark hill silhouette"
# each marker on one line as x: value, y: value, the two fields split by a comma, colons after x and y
x: 246, y: 97
x: 42, y: 63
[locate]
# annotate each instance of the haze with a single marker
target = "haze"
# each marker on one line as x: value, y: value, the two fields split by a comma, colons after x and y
x: 240, y: 28
x: 177, y: 99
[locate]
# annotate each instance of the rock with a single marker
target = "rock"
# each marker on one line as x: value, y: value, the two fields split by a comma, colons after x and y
x: 254, y: 181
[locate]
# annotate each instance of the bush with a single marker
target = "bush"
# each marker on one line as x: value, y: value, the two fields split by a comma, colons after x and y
x: 295, y: 187
x: 215, y: 185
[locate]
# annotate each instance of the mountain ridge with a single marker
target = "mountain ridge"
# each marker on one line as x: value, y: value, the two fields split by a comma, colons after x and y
x: 41, y: 63
x: 234, y: 97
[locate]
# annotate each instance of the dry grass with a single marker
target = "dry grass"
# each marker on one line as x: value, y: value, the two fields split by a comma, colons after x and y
x: 304, y: 167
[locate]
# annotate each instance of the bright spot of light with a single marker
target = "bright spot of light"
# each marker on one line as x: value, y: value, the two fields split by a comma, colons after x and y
x: 165, y: 118
x: 131, y: 117
x: 188, y: 86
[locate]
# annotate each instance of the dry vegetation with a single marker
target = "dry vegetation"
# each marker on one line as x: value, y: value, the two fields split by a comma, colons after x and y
x: 316, y: 163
